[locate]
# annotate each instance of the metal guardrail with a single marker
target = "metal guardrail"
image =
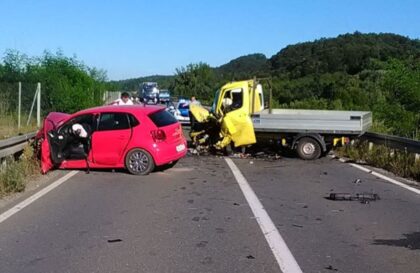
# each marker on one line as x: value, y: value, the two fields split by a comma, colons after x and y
x: 394, y: 142
x: 14, y: 144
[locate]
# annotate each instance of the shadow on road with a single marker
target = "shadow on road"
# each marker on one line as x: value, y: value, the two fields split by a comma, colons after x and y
x: 411, y: 241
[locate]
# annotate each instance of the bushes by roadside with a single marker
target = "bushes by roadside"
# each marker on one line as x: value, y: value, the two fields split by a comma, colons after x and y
x: 15, y: 173
x: 398, y: 162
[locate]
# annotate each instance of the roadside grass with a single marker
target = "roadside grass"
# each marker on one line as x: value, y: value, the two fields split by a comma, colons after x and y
x: 398, y: 162
x: 14, y: 174
x: 9, y: 126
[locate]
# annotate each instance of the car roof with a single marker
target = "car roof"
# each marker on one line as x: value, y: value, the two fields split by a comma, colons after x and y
x: 134, y: 109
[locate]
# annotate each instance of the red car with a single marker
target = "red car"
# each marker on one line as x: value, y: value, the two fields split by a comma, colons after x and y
x: 136, y: 137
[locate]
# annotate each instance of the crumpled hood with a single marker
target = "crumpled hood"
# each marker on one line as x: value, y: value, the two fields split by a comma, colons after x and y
x: 199, y: 112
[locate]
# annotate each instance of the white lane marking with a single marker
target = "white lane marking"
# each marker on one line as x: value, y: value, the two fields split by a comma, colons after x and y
x: 386, y: 178
x: 35, y: 196
x: 393, y: 181
x: 278, y: 246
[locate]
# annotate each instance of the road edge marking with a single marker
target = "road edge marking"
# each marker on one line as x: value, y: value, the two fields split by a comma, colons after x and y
x: 384, y: 177
x: 281, y: 252
x: 15, y: 209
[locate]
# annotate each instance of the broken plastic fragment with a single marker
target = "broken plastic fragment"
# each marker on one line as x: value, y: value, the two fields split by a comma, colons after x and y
x: 363, y: 197
x: 114, y: 241
x: 357, y: 181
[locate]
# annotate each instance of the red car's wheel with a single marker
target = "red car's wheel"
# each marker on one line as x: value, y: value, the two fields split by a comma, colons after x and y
x: 139, y: 162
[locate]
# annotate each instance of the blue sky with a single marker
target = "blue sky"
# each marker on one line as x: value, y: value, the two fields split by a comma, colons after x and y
x: 138, y: 38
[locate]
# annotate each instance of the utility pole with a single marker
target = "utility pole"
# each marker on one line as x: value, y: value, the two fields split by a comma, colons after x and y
x: 19, y: 104
x: 38, y: 106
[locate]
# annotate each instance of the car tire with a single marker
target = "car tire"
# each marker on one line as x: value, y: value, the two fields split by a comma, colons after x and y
x: 139, y: 162
x: 308, y: 148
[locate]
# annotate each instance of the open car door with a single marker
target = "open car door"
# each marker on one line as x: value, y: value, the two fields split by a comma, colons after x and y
x: 47, y: 135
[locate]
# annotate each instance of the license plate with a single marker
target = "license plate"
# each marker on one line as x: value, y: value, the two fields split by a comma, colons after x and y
x: 180, y: 148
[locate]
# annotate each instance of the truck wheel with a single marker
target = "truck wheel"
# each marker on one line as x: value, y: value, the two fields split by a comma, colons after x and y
x: 308, y: 148
x: 139, y: 162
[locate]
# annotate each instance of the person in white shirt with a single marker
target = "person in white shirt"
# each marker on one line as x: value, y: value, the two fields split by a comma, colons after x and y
x: 79, y: 130
x: 193, y: 101
x: 124, y: 100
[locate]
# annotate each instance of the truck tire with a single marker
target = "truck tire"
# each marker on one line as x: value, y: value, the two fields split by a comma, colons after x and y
x: 308, y: 148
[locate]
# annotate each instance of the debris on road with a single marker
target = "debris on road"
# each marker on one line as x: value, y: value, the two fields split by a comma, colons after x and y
x: 250, y: 257
x: 257, y: 154
x: 299, y: 226
x: 364, y: 198
x: 202, y: 244
x: 192, y: 151
x: 241, y: 155
x: 114, y: 240
x: 357, y: 181
x: 330, y: 267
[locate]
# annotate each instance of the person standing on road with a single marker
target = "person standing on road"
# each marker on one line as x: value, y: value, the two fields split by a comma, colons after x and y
x: 124, y: 100
x: 193, y: 101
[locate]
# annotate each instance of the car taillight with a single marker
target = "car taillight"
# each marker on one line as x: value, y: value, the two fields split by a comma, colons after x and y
x: 158, y: 135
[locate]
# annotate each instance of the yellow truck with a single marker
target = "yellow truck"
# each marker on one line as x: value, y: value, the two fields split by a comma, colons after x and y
x: 238, y: 118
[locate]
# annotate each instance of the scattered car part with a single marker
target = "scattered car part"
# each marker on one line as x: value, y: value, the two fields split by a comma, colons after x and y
x: 357, y: 181
x: 354, y: 197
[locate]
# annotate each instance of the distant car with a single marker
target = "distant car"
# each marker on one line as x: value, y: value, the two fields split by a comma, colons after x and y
x: 149, y: 92
x: 164, y: 96
x: 182, y: 111
x: 136, y: 138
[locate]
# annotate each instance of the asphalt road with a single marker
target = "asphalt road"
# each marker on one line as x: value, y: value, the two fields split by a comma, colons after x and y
x: 195, y: 218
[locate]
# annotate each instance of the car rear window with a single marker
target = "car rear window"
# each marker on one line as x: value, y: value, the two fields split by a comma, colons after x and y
x: 162, y: 118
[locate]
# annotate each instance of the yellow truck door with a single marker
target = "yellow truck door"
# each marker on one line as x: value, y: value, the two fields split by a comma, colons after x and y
x: 236, y: 123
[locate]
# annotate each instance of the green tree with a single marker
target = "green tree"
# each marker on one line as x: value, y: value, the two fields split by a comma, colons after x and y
x: 67, y: 84
x: 195, y: 80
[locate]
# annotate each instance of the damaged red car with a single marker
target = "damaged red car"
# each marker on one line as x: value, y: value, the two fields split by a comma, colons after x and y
x: 137, y: 138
